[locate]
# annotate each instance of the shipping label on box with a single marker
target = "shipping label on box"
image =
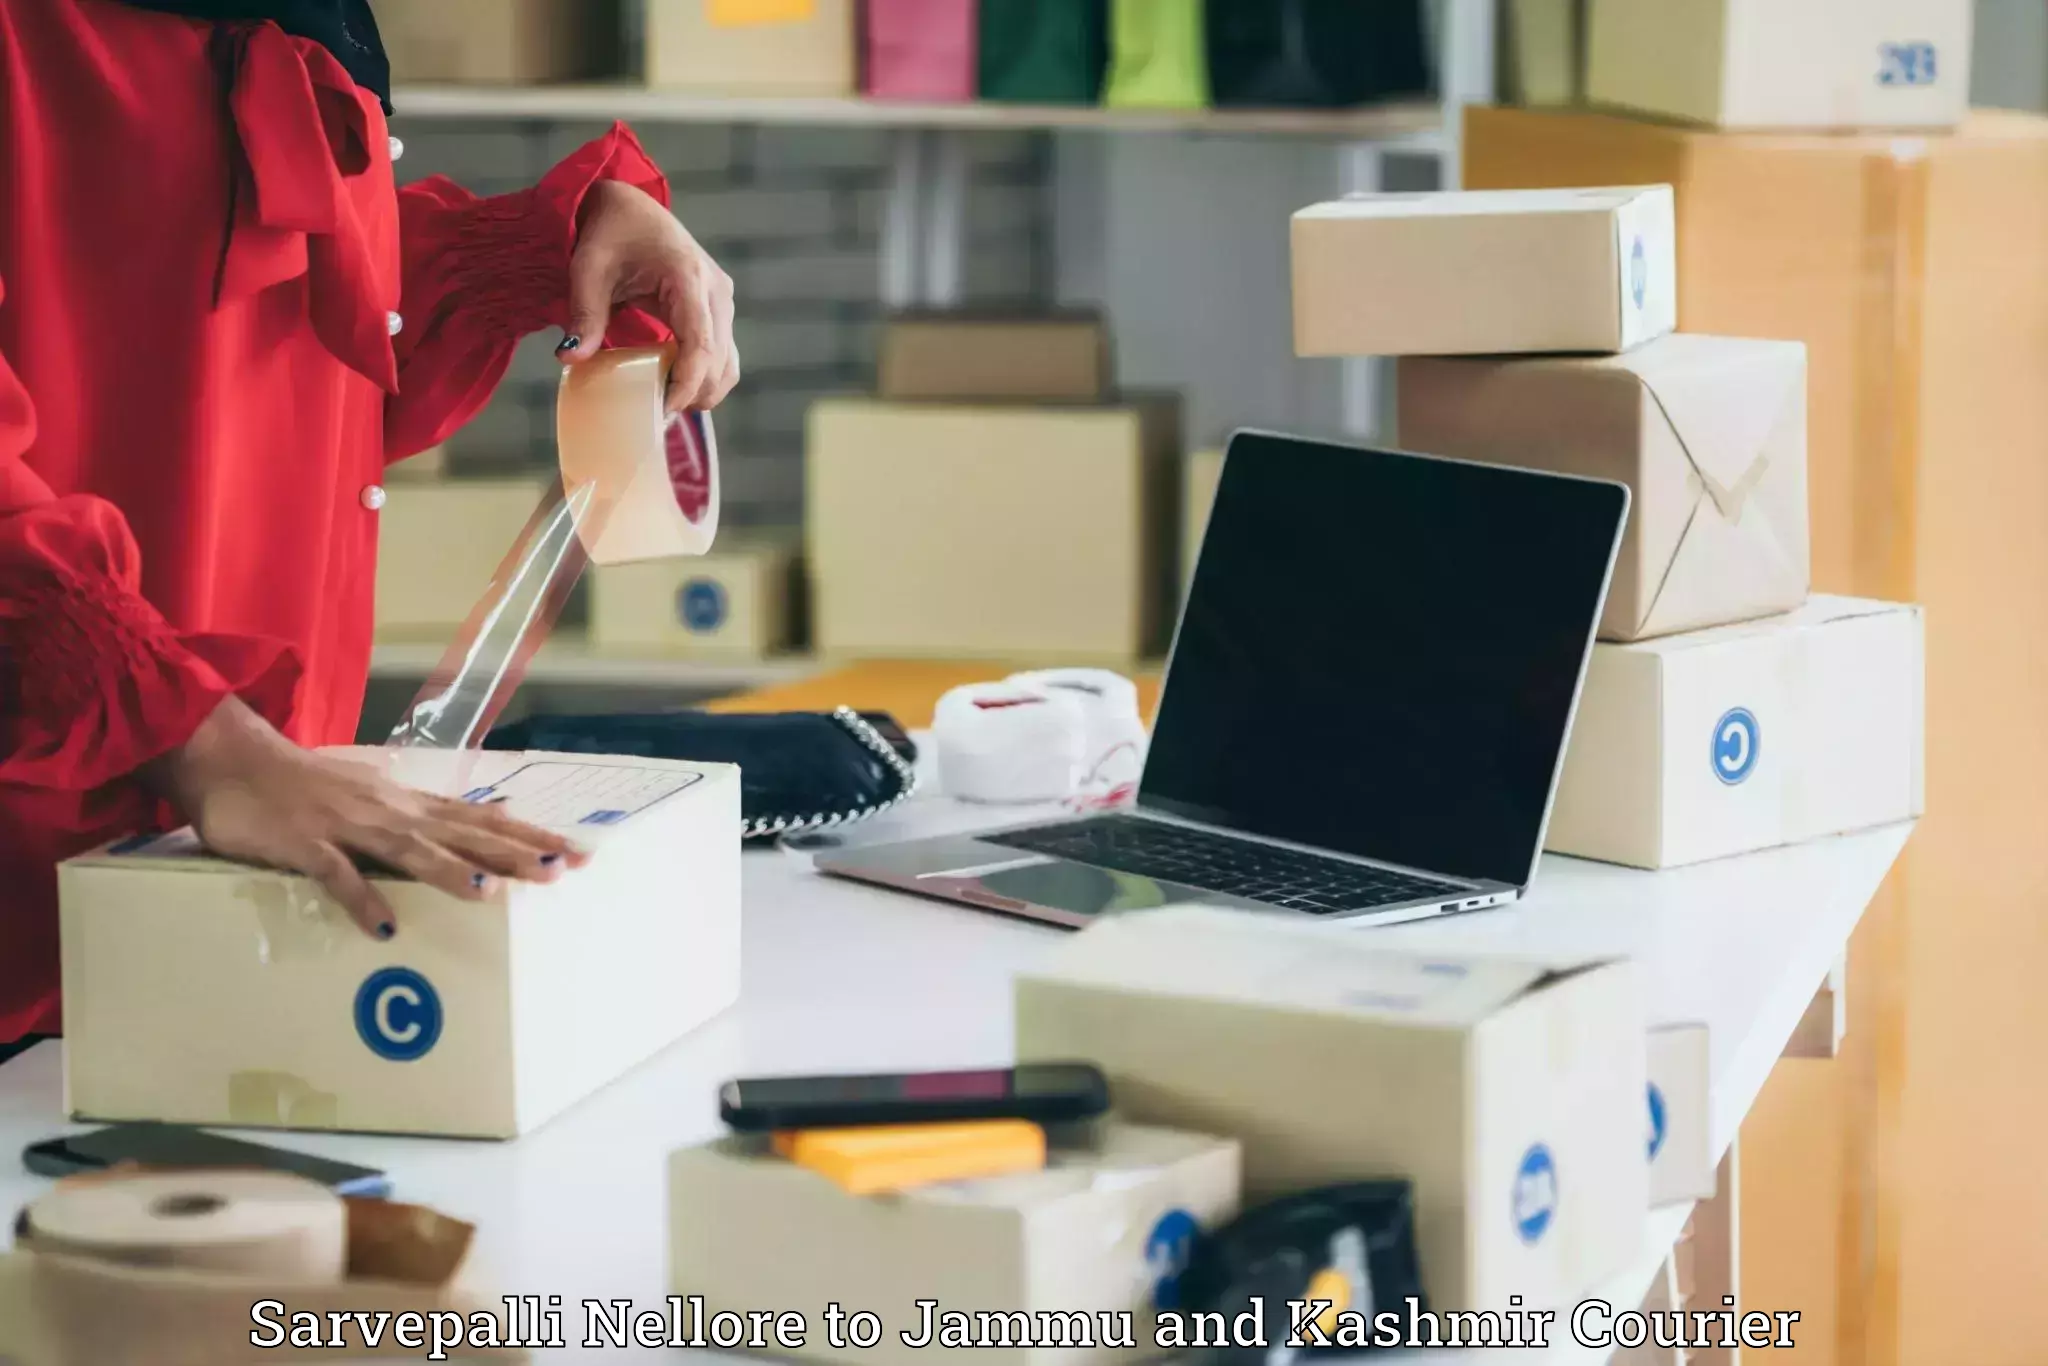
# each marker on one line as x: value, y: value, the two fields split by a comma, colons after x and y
x: 1709, y: 433
x: 1079, y: 1250
x: 1821, y: 65
x: 1680, y: 1100
x: 199, y: 991
x: 736, y: 602
x: 753, y: 47
x: 1485, y: 273
x: 1746, y: 737
x: 1509, y: 1093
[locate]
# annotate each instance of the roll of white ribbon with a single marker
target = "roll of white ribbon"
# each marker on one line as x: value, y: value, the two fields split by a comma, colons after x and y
x: 653, y: 476
x: 266, y: 1224
x: 1115, y: 749
x: 1008, y: 743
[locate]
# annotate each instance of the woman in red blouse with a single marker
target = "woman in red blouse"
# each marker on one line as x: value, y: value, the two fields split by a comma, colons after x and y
x: 219, y: 321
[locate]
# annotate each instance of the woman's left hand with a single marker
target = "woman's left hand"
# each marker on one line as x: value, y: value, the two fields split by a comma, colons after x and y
x: 632, y: 251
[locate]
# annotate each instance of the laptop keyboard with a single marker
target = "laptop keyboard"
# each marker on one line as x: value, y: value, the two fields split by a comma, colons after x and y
x: 1219, y: 863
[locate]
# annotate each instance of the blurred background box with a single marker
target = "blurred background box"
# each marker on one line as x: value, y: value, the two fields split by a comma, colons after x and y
x: 1044, y: 51
x: 1315, y: 53
x: 734, y: 47
x: 1783, y: 64
x: 736, y: 602
x: 429, y: 466
x: 925, y: 50
x: 439, y: 544
x: 1746, y: 737
x: 1158, y: 55
x: 1709, y: 434
x: 956, y: 531
x: 1061, y: 358
x: 1542, y: 51
x: 500, y: 42
x: 1198, y: 496
x: 1587, y: 270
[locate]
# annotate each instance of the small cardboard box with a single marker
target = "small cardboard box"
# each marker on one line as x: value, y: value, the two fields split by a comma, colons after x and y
x: 736, y: 602
x: 1709, y: 433
x: 438, y: 546
x: 1510, y: 1093
x: 198, y: 991
x: 500, y: 42
x: 1020, y: 534
x: 1746, y: 737
x: 1198, y: 496
x: 1543, y: 51
x: 1054, y: 359
x: 1681, y: 1115
x: 753, y: 47
x: 1784, y: 64
x: 1485, y: 273
x: 1100, y: 1232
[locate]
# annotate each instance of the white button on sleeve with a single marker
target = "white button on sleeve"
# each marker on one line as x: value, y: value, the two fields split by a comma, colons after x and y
x: 397, y: 149
x: 395, y: 323
x: 373, y: 497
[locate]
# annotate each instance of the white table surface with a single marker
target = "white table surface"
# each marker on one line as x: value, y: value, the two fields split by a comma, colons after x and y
x: 841, y: 977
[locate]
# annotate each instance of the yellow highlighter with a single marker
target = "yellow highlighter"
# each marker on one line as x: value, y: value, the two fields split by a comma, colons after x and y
x: 890, y: 1158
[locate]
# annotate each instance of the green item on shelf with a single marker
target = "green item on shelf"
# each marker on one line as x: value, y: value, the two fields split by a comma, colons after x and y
x: 1044, y: 51
x: 1158, y: 55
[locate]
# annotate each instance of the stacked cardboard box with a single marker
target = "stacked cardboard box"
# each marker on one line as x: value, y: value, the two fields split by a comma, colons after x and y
x: 995, y: 501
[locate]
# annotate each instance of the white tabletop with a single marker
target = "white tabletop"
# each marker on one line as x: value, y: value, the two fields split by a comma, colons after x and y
x: 840, y: 977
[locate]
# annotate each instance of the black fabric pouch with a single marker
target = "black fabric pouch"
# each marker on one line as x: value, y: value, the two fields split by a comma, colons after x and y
x: 1318, y: 53
x: 799, y: 771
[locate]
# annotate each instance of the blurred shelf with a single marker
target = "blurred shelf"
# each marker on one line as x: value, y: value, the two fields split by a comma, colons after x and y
x: 567, y: 662
x: 1416, y: 121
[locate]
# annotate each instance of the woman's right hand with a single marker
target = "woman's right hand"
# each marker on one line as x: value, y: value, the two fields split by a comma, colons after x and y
x: 253, y: 795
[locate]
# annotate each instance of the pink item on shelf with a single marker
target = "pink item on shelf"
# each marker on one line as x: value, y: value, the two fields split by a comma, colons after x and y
x: 924, y: 50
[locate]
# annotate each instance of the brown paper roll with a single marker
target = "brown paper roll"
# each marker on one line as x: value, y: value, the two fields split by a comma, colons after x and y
x: 266, y: 1224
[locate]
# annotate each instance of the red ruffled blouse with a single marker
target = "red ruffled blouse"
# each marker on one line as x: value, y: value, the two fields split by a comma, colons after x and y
x: 219, y: 321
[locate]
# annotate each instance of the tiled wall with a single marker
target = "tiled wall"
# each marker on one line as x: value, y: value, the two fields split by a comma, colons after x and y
x: 794, y: 215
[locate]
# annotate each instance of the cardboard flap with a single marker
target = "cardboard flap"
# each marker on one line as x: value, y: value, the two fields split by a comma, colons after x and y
x: 1723, y: 564
x: 1724, y: 441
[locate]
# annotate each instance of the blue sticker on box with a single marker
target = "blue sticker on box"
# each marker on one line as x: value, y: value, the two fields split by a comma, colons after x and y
x: 1907, y: 64
x: 701, y: 605
x: 1737, y: 742
x: 398, y: 1015
x: 1639, y: 273
x: 1658, y: 1122
x: 1169, y: 1247
x: 1535, y: 1194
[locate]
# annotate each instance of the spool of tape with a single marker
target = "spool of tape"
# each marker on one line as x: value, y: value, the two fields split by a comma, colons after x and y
x: 1009, y: 743
x: 266, y: 1224
x: 1115, y: 747
x: 653, y: 478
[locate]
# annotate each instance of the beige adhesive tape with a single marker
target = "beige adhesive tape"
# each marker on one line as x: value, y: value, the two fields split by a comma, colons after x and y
x: 652, y: 477
x: 294, y: 921
x: 279, y: 1100
x: 236, y: 1223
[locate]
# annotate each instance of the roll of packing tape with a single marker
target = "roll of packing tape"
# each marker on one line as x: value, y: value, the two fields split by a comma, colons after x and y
x: 1115, y: 747
x: 653, y: 477
x: 1009, y: 743
x: 264, y: 1224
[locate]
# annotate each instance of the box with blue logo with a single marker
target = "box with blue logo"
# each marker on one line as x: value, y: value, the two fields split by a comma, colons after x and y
x: 1508, y: 1092
x: 737, y: 602
x: 1043, y: 1264
x: 1739, y: 738
x: 1485, y: 272
x: 199, y: 991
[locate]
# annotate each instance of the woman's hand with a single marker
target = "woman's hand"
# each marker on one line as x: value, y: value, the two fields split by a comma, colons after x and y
x: 254, y: 795
x: 631, y: 250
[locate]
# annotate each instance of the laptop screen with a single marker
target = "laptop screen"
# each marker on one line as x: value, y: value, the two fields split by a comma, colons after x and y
x: 1380, y: 654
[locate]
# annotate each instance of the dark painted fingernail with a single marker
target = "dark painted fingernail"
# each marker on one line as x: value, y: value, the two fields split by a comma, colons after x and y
x: 476, y: 880
x: 387, y: 930
x: 550, y: 860
x: 569, y: 343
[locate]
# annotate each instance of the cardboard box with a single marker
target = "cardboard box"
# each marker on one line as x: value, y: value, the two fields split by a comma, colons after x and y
x: 198, y: 991
x: 1746, y: 737
x: 736, y: 602
x: 1059, y: 359
x: 430, y: 466
x: 1100, y: 1231
x: 1543, y: 51
x: 1198, y: 496
x: 734, y: 47
x: 1786, y: 64
x: 1510, y: 1093
x: 438, y: 546
x: 1484, y: 273
x: 1709, y: 433
x: 500, y: 42
x: 1020, y: 534
x: 1681, y: 1115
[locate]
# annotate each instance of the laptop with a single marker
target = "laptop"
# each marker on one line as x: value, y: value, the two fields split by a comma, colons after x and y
x: 1364, y: 713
